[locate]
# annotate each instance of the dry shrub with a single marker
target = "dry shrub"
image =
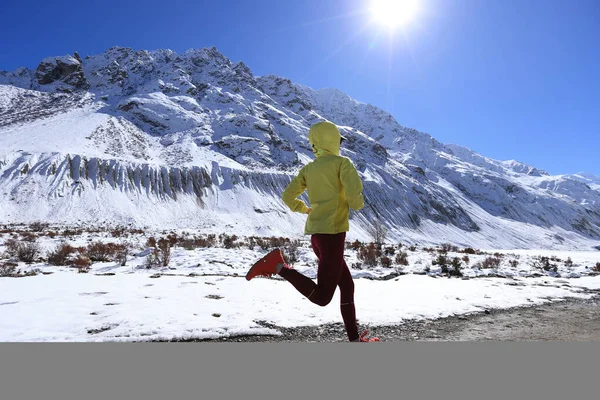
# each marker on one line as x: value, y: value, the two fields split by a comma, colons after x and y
x: 569, y: 262
x: 290, y: 252
x: 120, y: 254
x: 7, y: 269
x: 490, y: 262
x: 38, y: 226
x: 544, y: 264
x: 161, y: 251
x: 447, y: 247
x: 368, y: 254
x: 597, y: 267
x: 164, y: 247
x: 151, y: 242
x: 356, y: 265
x: 60, y: 255
x: 98, y: 251
x: 123, y: 232
x: 196, y: 242
x: 72, y: 232
x: 402, y: 258
x: 377, y: 231
x: 23, y: 251
x: 210, y: 241
x: 152, y: 260
x: 389, y: 251
x: 386, y: 261
x: 267, y: 243
x: 456, y: 267
x: 251, y: 242
x: 276, y: 242
x: 356, y: 245
x: 104, y: 252
x: 11, y: 247
x: 188, y: 244
x: 466, y: 259
x: 229, y: 241
x: 118, y: 232
x: 172, y: 239
x: 262, y: 243
x: 469, y: 250
x: 29, y: 237
x: 82, y: 263
x: 440, y: 260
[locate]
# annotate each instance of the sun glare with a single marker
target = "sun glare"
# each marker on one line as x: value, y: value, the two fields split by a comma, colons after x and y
x: 394, y: 13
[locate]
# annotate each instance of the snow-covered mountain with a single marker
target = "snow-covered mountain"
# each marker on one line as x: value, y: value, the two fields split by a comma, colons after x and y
x: 593, y: 181
x: 193, y: 140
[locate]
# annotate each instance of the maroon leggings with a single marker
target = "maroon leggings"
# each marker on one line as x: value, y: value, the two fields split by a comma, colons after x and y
x: 332, y: 272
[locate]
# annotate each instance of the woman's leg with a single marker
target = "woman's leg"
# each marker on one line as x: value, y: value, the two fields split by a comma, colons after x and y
x: 347, y: 308
x: 329, y: 249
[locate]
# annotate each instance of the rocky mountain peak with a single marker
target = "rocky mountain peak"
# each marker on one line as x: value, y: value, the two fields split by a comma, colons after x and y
x: 66, y: 70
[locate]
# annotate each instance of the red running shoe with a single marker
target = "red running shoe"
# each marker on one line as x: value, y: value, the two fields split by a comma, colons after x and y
x: 364, y: 338
x: 266, y: 265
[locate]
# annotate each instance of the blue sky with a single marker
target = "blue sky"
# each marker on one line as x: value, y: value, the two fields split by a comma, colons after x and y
x: 510, y: 79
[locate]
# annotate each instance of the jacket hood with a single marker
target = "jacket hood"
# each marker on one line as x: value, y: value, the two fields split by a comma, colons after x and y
x: 324, y: 138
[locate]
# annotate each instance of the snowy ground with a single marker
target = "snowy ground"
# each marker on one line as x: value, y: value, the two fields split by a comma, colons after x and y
x: 202, y: 293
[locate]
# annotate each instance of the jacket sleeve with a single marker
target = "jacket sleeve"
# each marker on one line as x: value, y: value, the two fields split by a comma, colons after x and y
x: 294, y: 189
x: 352, y: 185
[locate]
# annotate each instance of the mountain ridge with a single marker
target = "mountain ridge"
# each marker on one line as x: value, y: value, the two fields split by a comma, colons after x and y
x: 198, y: 111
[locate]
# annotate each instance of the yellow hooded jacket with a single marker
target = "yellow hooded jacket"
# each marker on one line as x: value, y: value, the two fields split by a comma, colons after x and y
x: 332, y: 183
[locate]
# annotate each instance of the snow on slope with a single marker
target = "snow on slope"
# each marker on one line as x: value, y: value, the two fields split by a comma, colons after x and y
x: 591, y: 180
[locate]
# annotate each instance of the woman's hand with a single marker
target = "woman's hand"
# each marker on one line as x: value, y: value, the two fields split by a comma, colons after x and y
x: 309, y: 210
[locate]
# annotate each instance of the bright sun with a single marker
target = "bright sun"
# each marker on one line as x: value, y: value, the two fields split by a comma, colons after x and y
x: 394, y: 13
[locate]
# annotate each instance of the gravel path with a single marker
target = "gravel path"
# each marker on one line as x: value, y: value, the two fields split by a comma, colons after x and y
x: 568, y: 320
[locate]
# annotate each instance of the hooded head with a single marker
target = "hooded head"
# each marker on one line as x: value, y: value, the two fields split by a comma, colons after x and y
x: 325, y: 138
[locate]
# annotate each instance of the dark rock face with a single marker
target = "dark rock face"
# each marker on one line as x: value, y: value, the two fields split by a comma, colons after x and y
x: 67, y: 70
